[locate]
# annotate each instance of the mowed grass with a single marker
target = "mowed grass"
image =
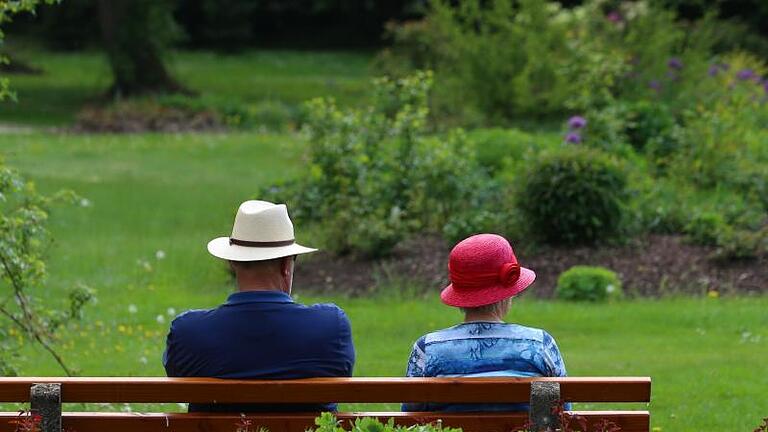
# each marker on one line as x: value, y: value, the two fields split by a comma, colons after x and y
x: 155, y: 200
x: 73, y: 80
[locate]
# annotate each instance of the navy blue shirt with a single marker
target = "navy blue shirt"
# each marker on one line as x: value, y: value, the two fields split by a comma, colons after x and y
x: 260, y: 334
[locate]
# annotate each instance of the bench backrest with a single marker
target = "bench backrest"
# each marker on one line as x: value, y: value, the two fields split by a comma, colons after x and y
x: 320, y: 390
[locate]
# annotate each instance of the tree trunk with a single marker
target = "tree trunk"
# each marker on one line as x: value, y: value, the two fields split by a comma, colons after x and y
x: 133, y: 45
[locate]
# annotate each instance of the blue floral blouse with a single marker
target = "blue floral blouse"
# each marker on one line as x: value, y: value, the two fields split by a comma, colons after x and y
x: 483, y: 349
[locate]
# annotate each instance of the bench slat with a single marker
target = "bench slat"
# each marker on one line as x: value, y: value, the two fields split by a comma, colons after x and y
x: 318, y: 390
x: 629, y: 421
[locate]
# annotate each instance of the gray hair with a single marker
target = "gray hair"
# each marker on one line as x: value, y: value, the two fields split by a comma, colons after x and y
x: 499, y: 308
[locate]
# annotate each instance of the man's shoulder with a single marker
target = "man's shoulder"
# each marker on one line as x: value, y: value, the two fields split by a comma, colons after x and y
x: 325, y: 307
x: 328, y: 311
x: 189, y: 317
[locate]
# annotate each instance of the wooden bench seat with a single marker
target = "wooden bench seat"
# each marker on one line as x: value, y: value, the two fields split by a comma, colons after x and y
x: 318, y: 390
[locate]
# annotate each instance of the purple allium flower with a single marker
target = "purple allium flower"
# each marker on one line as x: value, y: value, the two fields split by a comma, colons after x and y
x: 655, y: 85
x: 745, y: 74
x: 713, y: 70
x: 725, y: 66
x: 614, y: 17
x: 675, y: 63
x: 573, y: 138
x: 577, y: 122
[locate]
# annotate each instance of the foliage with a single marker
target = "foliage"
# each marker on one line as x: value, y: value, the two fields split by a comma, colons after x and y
x: 327, y: 423
x: 375, y: 175
x: 489, y: 211
x: 585, y: 283
x: 574, y: 195
x: 724, y: 132
x: 9, y: 8
x: 707, y: 229
x: 487, y: 55
x: 23, y: 244
x: 490, y: 57
x: 650, y: 125
x: 496, y: 147
x: 742, y: 244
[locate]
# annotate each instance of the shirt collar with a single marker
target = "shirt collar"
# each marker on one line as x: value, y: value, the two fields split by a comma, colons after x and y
x: 258, y: 297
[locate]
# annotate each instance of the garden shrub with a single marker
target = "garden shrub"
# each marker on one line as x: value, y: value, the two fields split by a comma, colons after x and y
x: 490, y: 210
x: 707, y: 229
x: 586, y: 283
x: 376, y: 176
x: 724, y: 133
x: 646, y: 122
x: 574, y: 195
x: 494, y: 147
x: 743, y: 245
x: 487, y: 55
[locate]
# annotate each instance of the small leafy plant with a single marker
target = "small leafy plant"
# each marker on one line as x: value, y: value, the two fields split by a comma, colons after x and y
x: 585, y: 283
x: 27, y: 421
x: 327, y: 422
x: 573, y: 423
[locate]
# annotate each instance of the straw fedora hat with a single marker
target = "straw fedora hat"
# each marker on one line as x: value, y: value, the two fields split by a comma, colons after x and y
x: 262, y: 231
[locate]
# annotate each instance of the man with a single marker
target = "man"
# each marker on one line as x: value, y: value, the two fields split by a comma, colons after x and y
x: 260, y: 332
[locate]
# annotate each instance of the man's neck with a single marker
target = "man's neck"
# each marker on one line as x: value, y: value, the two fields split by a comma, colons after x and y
x: 250, y: 288
x: 245, y: 284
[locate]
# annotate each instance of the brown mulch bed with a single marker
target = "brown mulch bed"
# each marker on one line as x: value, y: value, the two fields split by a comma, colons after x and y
x: 651, y: 266
x: 146, y: 118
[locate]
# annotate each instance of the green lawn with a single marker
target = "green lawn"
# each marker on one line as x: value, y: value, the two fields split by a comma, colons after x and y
x: 172, y: 193
x: 72, y: 80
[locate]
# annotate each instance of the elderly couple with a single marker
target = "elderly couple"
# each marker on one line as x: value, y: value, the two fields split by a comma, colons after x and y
x: 260, y: 332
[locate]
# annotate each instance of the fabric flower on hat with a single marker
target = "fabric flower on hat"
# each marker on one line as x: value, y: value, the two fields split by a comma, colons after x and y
x: 509, y: 273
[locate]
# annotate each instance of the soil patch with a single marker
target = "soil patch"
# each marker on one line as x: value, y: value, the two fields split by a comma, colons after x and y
x: 146, y: 118
x: 651, y: 266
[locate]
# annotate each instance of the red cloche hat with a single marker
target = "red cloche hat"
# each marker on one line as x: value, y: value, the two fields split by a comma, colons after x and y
x: 484, y: 270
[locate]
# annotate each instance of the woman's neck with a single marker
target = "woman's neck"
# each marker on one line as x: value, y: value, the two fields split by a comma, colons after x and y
x: 491, y: 317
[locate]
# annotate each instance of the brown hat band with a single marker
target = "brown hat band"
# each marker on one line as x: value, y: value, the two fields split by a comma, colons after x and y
x: 234, y: 241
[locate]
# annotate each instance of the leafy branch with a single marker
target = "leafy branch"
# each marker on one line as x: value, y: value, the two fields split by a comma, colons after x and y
x: 23, y: 241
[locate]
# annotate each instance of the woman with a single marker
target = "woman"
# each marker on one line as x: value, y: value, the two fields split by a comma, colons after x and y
x: 485, y: 275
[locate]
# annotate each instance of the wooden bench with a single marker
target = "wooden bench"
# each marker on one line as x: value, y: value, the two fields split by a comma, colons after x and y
x: 47, y: 394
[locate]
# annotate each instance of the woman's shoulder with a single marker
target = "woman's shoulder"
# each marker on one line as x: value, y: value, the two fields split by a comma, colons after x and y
x: 483, y: 329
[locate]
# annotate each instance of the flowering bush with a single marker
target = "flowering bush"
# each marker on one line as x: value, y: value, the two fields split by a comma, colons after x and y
x: 585, y: 283
x: 487, y: 55
x: 724, y: 132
